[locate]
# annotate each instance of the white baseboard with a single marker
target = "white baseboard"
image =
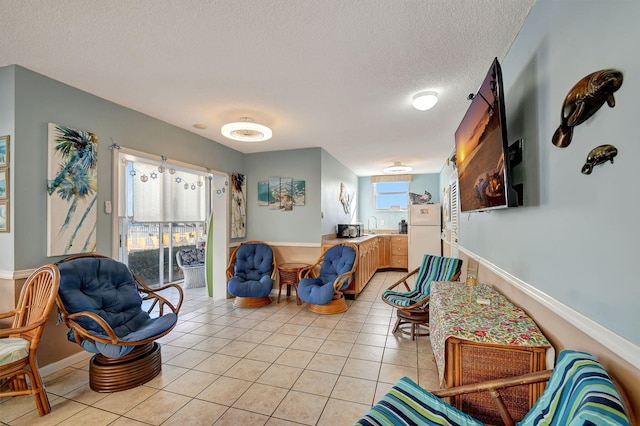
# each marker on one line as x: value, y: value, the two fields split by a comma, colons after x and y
x: 64, y: 363
x: 619, y: 345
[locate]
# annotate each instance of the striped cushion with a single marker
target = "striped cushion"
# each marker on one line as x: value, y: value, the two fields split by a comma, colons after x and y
x: 13, y: 349
x: 580, y: 392
x: 433, y: 268
x: 408, y: 404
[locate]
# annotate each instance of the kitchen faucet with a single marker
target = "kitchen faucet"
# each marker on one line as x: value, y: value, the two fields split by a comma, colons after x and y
x: 375, y: 224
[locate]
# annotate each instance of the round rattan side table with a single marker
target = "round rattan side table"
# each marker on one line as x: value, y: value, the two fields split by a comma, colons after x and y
x: 289, y: 276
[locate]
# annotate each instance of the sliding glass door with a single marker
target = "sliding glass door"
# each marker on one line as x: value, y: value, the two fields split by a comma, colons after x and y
x: 162, y: 210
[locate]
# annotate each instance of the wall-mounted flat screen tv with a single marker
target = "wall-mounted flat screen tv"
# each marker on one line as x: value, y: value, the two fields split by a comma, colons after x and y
x: 482, y: 157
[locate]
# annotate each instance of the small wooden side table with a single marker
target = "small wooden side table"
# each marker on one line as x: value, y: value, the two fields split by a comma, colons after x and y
x: 289, y: 277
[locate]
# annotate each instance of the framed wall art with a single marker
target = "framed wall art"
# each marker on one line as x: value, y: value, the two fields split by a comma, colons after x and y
x: 239, y: 206
x: 281, y: 193
x: 263, y: 193
x: 4, y: 184
x: 72, y: 191
x: 4, y: 216
x: 4, y: 151
x: 299, y: 192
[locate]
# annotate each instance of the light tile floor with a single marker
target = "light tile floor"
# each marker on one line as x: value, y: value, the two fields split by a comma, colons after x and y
x: 275, y: 365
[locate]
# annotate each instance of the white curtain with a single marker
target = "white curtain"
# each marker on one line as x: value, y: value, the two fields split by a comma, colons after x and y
x: 166, y: 197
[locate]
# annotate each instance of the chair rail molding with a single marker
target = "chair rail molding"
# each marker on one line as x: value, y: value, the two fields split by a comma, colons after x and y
x: 16, y: 275
x: 624, y: 348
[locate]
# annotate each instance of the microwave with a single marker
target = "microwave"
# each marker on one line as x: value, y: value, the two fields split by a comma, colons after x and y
x: 349, y: 231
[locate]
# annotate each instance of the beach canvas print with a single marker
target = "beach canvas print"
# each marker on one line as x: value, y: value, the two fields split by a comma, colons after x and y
x: 71, y: 191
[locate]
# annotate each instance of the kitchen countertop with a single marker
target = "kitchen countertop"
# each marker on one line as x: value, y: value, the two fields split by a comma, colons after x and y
x: 361, y: 239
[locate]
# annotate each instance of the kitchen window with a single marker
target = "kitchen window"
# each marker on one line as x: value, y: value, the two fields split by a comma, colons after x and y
x: 391, y: 196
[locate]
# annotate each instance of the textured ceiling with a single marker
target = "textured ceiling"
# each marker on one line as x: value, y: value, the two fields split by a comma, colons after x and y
x: 336, y: 74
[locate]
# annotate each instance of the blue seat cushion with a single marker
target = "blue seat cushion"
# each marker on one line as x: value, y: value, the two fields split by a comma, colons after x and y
x: 337, y: 260
x: 314, y: 291
x: 408, y: 404
x: 240, y: 287
x: 252, y: 271
x: 107, y: 288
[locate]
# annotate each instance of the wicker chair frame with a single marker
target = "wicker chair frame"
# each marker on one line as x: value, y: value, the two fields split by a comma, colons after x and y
x: 416, y: 315
x: 494, y: 386
x: 338, y: 304
x: 35, y: 303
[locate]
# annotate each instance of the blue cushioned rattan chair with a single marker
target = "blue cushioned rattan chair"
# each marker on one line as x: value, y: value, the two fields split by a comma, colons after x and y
x: 101, y: 301
x: 321, y: 285
x: 579, y: 392
x: 412, y: 305
x: 251, y: 272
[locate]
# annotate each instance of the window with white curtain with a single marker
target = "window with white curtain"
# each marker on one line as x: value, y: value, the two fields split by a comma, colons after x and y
x: 167, y: 197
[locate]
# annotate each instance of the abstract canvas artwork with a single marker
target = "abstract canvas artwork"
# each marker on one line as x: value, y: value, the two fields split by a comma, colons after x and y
x: 238, y: 205
x: 71, y: 191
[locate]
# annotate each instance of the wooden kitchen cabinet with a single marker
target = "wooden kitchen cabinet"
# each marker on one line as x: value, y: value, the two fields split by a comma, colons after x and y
x: 384, y: 251
x: 399, y: 251
x: 367, y: 265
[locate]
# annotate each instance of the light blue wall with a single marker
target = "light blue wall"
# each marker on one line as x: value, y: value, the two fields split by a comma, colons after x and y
x: 7, y: 119
x: 575, y: 238
x: 419, y: 184
x: 40, y: 100
x: 302, y: 224
x: 335, y: 173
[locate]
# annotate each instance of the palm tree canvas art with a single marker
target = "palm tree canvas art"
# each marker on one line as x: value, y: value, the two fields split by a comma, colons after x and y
x: 72, y: 191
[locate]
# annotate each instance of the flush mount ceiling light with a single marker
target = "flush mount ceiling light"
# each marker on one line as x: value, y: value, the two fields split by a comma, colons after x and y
x: 246, y: 131
x: 424, y: 100
x: 397, y: 167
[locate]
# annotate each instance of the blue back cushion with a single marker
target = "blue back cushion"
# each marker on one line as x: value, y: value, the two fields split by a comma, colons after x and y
x: 103, y: 286
x: 337, y: 261
x: 253, y: 261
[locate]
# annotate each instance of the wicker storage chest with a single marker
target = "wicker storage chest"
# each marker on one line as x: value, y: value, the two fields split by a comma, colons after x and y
x: 477, y: 335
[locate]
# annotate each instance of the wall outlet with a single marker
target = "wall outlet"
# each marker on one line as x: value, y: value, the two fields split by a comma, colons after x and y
x: 382, y: 222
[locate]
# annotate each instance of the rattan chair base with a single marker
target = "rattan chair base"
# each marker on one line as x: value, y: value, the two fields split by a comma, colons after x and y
x: 132, y: 370
x: 251, y: 302
x: 411, y: 323
x: 336, y: 306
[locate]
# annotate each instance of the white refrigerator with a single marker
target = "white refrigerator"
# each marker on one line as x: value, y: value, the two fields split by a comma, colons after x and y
x: 424, y: 233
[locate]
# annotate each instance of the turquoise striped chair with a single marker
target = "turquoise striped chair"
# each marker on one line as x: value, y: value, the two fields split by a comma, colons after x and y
x: 579, y: 392
x: 416, y: 302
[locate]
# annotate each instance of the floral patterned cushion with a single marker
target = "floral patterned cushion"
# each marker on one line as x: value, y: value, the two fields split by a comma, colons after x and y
x: 191, y: 257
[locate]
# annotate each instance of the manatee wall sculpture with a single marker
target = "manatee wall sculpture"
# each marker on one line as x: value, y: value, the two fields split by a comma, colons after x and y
x: 599, y: 155
x: 584, y: 100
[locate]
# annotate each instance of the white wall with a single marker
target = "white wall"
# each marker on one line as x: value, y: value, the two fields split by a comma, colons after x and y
x: 574, y: 239
x: 7, y: 120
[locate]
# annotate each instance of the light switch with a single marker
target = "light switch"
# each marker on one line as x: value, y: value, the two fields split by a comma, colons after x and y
x: 107, y: 207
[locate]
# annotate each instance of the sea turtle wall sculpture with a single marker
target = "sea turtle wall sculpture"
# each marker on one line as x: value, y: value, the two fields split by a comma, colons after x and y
x: 584, y: 100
